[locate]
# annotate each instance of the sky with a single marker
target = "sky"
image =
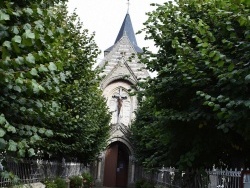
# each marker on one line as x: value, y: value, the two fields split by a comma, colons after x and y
x: 105, y: 17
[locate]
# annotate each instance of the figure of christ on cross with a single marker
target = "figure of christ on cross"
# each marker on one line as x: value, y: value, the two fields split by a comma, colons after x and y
x: 120, y: 99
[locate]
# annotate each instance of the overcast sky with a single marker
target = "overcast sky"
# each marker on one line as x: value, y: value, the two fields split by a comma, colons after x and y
x: 104, y: 17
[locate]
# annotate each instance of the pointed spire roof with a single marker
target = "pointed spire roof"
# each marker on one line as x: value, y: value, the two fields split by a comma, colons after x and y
x: 126, y: 29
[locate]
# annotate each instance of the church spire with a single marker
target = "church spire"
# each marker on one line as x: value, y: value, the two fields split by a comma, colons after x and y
x: 126, y: 29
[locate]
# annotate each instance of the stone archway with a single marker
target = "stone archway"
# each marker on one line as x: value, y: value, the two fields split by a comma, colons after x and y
x: 116, y: 165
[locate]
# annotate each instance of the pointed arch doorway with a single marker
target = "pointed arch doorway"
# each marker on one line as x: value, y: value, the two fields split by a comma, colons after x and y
x: 116, y: 165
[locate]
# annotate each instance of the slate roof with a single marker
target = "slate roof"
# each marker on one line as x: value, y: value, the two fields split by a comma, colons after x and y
x: 126, y: 29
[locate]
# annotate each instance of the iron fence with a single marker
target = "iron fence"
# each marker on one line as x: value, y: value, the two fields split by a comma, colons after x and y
x: 220, y: 178
x: 31, y: 171
x: 215, y: 178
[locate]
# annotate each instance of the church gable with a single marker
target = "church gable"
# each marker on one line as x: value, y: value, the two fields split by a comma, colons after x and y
x: 116, y: 64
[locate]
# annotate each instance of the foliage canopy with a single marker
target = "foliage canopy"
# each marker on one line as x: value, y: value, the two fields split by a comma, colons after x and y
x: 199, y: 101
x: 50, y: 104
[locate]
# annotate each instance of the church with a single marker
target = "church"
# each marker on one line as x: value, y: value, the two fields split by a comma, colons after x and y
x: 121, y: 70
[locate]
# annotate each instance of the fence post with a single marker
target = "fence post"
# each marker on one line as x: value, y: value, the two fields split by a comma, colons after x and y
x: 245, y: 179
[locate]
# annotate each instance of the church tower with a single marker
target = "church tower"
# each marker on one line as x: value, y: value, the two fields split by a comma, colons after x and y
x: 121, y: 72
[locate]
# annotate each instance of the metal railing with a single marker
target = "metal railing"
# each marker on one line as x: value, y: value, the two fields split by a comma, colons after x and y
x: 220, y: 178
x: 215, y: 178
x: 31, y: 171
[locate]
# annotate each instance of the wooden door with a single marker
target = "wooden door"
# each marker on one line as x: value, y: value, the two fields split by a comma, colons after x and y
x: 116, y: 166
x: 122, y: 167
x: 110, y: 166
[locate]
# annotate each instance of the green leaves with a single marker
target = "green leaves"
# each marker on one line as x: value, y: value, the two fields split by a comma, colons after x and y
x: 42, y: 68
x: 52, y: 67
x: 31, y: 152
x: 42, y: 55
x: 15, y: 30
x: 28, y: 34
x: 30, y: 58
x: 35, y: 138
x: 2, y: 132
x: 247, y: 78
x: 23, y: 49
x: 33, y: 72
x: 12, y: 146
x: 29, y: 11
x: 2, y: 119
x: 231, y: 67
x: 17, y: 39
x: 48, y: 133
x: 7, y: 44
x: 4, y: 16
x: 202, y: 87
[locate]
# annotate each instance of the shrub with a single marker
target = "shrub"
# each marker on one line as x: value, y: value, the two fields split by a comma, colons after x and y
x: 56, y: 183
x: 61, y: 183
x: 87, y: 180
x: 143, y: 183
x: 148, y: 184
x: 75, y: 181
x: 139, y: 183
x: 50, y: 184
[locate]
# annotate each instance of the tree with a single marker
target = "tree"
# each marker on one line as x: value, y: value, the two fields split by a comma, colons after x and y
x: 26, y: 69
x: 199, y: 100
x: 82, y: 130
x: 45, y: 67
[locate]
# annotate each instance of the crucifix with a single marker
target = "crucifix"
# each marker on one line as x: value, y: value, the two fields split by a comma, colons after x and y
x: 120, y: 99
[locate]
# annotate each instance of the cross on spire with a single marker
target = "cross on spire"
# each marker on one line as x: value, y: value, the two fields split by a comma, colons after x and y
x: 128, y: 7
